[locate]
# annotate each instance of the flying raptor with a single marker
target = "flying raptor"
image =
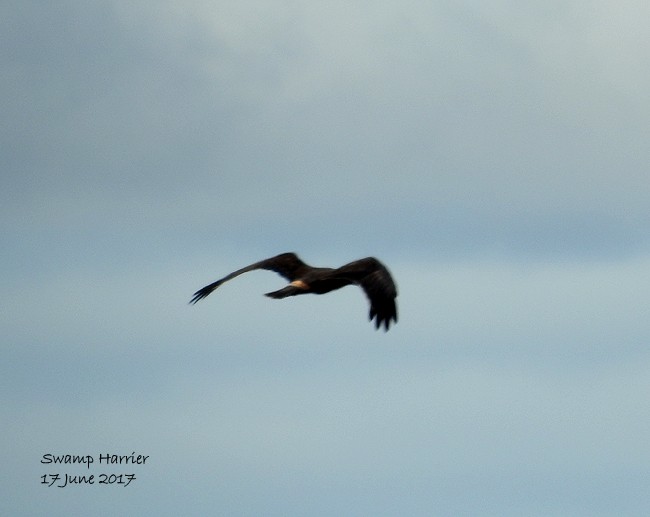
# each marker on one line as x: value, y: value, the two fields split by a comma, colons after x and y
x: 368, y: 273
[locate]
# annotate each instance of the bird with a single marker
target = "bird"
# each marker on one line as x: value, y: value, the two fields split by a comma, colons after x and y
x: 368, y: 273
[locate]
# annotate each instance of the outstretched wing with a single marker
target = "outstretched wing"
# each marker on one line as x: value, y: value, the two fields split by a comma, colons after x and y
x: 376, y: 281
x: 287, y: 264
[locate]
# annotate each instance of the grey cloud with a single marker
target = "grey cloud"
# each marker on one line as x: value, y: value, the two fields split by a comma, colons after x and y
x: 493, y: 154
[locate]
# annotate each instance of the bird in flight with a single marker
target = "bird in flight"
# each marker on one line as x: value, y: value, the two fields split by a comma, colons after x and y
x: 368, y: 273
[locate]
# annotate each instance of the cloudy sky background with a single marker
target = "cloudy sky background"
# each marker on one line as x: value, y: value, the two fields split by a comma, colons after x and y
x: 493, y: 154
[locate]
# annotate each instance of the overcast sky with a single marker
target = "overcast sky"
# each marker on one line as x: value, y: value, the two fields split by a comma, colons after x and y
x: 493, y: 154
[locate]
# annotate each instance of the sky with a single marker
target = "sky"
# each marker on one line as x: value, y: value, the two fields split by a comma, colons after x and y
x: 493, y: 154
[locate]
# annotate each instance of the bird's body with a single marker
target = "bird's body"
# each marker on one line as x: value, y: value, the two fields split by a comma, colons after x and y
x: 368, y: 273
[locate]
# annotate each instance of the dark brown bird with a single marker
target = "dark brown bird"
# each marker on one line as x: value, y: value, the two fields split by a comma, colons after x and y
x: 368, y: 273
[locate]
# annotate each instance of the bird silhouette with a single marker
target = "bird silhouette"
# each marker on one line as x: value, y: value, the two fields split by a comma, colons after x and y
x: 368, y: 273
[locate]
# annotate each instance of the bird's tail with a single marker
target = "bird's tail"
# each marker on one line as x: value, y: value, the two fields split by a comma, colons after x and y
x: 290, y: 290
